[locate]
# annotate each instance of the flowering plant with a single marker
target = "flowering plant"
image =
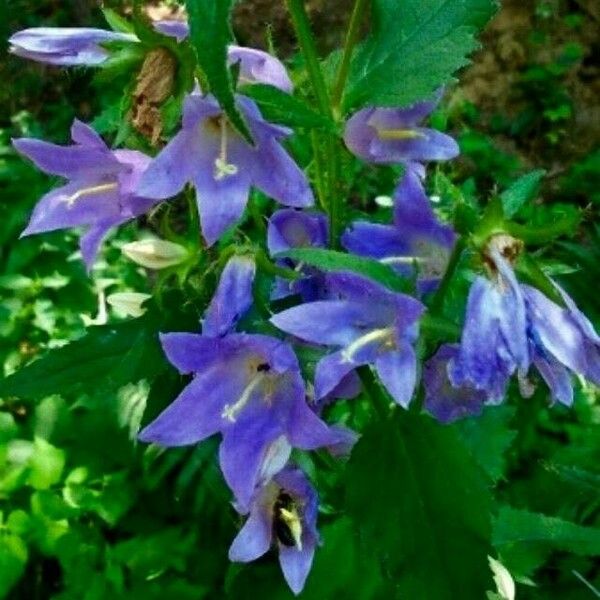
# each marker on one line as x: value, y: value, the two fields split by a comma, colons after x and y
x: 316, y: 340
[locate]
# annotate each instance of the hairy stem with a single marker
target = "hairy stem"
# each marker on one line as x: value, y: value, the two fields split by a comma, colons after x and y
x: 351, y: 38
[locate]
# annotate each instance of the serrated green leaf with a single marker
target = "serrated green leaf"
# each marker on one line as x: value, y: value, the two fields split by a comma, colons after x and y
x: 331, y: 260
x: 278, y: 107
x: 414, y: 47
x: 523, y: 190
x: 210, y: 34
x: 514, y: 526
x: 488, y: 437
x: 106, y: 358
x: 423, y: 506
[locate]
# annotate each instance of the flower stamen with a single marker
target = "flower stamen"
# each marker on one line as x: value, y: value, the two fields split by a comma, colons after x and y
x: 350, y: 351
x: 398, y: 134
x: 89, y: 191
x: 230, y: 412
x: 222, y: 167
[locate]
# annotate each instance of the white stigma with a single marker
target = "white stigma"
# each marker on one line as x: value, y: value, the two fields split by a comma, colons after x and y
x: 89, y: 191
x: 230, y: 412
x: 376, y: 334
x: 222, y: 167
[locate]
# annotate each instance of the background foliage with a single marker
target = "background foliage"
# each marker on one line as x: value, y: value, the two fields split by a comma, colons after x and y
x: 85, y: 512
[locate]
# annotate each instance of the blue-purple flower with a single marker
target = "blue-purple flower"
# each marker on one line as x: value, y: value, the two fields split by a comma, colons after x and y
x: 100, y: 193
x: 282, y: 513
x: 442, y: 400
x: 417, y: 241
x: 66, y: 46
x: 289, y: 228
x: 562, y: 341
x: 222, y: 166
x: 247, y: 387
x: 494, y: 340
x: 368, y: 324
x: 393, y: 135
x: 509, y: 326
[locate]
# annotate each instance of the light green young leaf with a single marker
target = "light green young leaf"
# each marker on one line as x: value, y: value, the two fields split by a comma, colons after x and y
x: 45, y: 465
x: 414, y: 47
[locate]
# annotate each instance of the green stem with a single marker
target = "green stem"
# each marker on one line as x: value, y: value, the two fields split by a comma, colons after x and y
x: 373, y: 392
x: 309, y: 52
x: 333, y: 171
x: 437, y: 302
x: 351, y: 38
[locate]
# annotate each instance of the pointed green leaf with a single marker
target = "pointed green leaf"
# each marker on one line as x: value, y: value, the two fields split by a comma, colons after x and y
x: 278, y: 107
x: 414, y: 47
x: 331, y: 260
x: 514, y: 526
x: 106, y: 358
x: 523, y: 190
x: 210, y: 34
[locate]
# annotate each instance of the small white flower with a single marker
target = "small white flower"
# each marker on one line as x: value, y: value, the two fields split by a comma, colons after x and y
x: 154, y: 253
x: 503, y: 579
x: 129, y: 303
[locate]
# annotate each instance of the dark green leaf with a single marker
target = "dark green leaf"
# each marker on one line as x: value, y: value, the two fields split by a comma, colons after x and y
x: 331, y: 260
x: 210, y: 34
x: 423, y: 506
x: 523, y: 190
x: 106, y: 358
x: 278, y: 107
x: 415, y: 46
x: 522, y: 527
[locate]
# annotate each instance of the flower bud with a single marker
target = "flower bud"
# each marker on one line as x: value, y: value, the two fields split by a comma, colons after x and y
x: 154, y: 253
x: 129, y: 303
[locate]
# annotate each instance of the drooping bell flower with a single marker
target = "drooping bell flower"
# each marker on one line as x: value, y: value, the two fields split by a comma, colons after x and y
x: 368, y: 324
x: 282, y: 514
x: 222, y: 166
x: 442, y: 400
x: 66, y: 46
x: 247, y: 387
x: 100, y: 194
x: 494, y: 340
x: 393, y: 135
x: 289, y: 229
x: 417, y: 241
x: 562, y: 342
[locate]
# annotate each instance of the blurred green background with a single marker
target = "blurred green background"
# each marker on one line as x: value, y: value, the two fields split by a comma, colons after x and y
x: 86, y: 514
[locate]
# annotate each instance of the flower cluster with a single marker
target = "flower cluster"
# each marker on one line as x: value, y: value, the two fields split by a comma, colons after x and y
x: 247, y: 384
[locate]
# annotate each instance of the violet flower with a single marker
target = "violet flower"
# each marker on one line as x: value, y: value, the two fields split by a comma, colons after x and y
x: 494, y: 340
x: 282, y: 513
x: 368, y: 324
x: 392, y: 135
x: 100, y: 193
x: 289, y: 229
x: 78, y: 46
x: 66, y: 46
x: 247, y: 387
x: 417, y: 241
x: 562, y: 341
x: 222, y: 166
x: 442, y: 400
